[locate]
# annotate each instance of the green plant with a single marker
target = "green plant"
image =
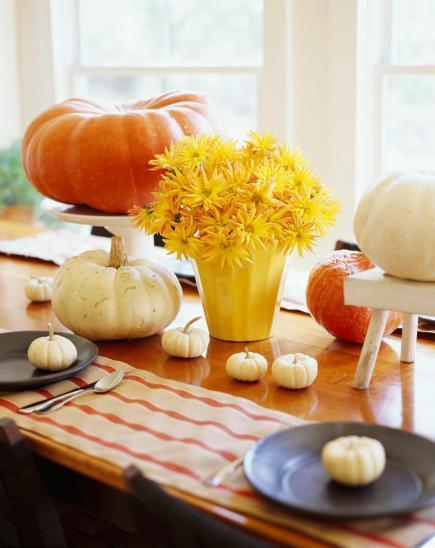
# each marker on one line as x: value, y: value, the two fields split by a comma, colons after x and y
x: 15, y: 188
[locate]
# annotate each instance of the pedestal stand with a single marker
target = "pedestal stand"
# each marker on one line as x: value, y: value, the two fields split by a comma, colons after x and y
x: 384, y: 293
x: 137, y: 243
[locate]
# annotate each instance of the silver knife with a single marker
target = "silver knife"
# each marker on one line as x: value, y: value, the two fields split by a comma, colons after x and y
x: 38, y: 406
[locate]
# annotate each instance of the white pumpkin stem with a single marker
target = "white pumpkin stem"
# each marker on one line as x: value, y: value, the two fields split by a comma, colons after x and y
x: 50, y: 332
x: 188, y: 324
x: 118, y: 253
x: 247, y: 353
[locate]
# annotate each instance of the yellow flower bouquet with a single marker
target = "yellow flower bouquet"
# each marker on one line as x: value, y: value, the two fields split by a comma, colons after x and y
x: 235, y: 211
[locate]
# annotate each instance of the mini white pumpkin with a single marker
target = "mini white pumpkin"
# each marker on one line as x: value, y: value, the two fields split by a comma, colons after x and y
x: 354, y: 460
x: 246, y: 366
x: 53, y: 353
x: 294, y: 370
x: 186, y: 342
x: 394, y: 225
x: 39, y: 288
x: 102, y: 296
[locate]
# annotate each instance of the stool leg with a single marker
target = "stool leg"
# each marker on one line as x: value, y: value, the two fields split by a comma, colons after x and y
x: 409, y: 337
x: 370, y: 349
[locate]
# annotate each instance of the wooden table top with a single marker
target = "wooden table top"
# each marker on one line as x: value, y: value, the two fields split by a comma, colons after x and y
x: 401, y: 395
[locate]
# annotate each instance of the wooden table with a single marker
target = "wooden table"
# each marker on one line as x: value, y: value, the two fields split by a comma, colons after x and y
x: 401, y: 395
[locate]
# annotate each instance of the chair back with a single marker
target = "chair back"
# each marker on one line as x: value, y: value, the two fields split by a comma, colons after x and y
x: 27, y: 514
x: 167, y: 522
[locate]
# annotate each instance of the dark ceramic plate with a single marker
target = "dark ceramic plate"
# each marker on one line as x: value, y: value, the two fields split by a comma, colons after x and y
x: 17, y: 373
x: 286, y: 468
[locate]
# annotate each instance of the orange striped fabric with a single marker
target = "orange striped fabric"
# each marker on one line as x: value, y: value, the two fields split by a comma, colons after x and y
x: 179, y: 433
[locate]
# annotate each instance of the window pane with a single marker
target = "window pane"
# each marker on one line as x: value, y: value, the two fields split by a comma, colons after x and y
x: 118, y: 89
x: 210, y: 32
x: 410, y: 122
x: 235, y: 95
x: 413, y: 31
x: 120, y: 32
x: 153, y: 32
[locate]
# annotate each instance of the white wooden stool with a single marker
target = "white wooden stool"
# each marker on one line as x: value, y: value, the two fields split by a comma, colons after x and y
x: 375, y: 289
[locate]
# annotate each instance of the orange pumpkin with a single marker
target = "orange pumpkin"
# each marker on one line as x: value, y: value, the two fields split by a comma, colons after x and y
x: 84, y: 152
x: 325, y: 298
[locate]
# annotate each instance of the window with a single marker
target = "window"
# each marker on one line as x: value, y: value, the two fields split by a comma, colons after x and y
x: 405, y: 86
x: 135, y: 49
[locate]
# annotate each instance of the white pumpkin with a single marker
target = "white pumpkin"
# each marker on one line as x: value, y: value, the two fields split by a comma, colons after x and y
x: 354, y: 460
x: 394, y: 225
x: 39, y: 288
x: 246, y: 366
x: 294, y: 370
x: 102, y: 296
x: 185, y: 342
x: 52, y: 353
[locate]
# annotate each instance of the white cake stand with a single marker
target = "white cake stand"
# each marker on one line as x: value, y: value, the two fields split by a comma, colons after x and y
x: 137, y: 243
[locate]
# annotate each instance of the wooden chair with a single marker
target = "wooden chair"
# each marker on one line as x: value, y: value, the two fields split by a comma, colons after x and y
x: 27, y: 514
x: 166, y: 522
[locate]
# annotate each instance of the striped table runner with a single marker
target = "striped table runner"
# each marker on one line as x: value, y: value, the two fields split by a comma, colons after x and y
x: 178, y: 433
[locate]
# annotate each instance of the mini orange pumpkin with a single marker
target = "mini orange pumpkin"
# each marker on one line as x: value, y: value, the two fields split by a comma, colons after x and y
x: 325, y: 298
x: 84, y: 152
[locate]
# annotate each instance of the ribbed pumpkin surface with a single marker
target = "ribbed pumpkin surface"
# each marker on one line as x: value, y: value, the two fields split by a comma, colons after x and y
x: 84, y: 152
x: 325, y: 298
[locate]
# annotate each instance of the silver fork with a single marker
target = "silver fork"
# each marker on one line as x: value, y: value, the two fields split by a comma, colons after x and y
x: 217, y: 477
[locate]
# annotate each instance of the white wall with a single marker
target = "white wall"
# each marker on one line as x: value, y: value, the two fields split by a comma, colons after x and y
x: 324, y: 53
x: 10, y: 99
x: 35, y: 57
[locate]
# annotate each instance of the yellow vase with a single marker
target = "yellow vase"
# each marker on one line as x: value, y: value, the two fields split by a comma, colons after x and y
x: 241, y: 304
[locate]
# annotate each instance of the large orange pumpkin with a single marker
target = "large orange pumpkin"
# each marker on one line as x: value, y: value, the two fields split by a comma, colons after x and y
x: 84, y: 152
x: 325, y: 298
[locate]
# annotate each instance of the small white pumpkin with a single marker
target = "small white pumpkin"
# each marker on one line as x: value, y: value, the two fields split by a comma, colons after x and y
x: 394, y: 225
x: 246, y: 366
x: 294, y: 370
x: 53, y: 353
x: 186, y: 342
x: 101, y: 296
x: 354, y: 460
x: 39, y: 288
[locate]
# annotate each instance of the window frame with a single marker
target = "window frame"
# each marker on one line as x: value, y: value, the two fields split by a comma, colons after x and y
x: 272, y: 75
x: 383, y: 66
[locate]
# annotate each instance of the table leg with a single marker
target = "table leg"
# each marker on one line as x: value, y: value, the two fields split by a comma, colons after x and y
x: 370, y: 349
x: 409, y: 337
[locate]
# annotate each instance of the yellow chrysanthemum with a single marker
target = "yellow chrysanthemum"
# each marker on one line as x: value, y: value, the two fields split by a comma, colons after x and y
x: 308, y: 206
x: 166, y: 160
x: 143, y: 218
x: 226, y: 248
x: 301, y: 236
x: 219, y: 201
x: 290, y: 159
x: 215, y: 220
x: 224, y: 151
x: 164, y: 214
x: 181, y: 241
x: 304, y: 180
x: 192, y: 152
x: 253, y: 227
x: 205, y: 191
x: 257, y: 144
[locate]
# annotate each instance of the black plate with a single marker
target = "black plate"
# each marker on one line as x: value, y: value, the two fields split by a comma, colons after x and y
x: 17, y: 373
x: 286, y: 468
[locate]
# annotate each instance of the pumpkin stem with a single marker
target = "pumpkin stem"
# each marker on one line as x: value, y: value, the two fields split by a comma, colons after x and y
x: 247, y: 353
x: 118, y: 254
x: 50, y: 331
x: 188, y: 324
